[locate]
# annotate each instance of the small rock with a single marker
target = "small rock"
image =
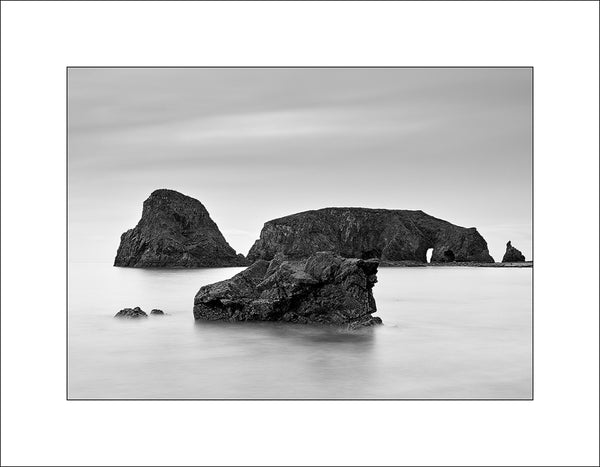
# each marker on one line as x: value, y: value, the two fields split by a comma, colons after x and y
x: 156, y: 311
x: 512, y: 255
x: 136, y: 312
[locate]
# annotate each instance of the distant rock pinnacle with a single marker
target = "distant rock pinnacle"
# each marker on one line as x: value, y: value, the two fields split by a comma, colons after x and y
x: 512, y: 255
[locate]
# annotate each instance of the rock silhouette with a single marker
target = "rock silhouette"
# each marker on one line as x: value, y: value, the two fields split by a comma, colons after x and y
x: 324, y: 288
x: 389, y: 235
x: 156, y: 311
x: 136, y: 312
x: 175, y: 231
x: 512, y: 255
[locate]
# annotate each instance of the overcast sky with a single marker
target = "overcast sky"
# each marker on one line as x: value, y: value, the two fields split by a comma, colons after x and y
x: 256, y: 144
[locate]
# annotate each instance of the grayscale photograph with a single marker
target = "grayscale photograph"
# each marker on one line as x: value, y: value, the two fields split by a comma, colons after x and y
x: 343, y: 233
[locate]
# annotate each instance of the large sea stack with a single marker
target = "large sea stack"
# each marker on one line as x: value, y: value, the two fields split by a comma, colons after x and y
x: 324, y: 289
x: 389, y: 235
x: 175, y: 231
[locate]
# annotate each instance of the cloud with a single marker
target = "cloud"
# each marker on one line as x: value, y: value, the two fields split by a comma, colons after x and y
x: 256, y: 127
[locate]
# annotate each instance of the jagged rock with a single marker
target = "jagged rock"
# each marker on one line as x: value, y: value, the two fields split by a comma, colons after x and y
x: 175, y: 231
x: 325, y: 288
x: 157, y: 312
x: 131, y: 313
x: 512, y: 255
x: 390, y: 235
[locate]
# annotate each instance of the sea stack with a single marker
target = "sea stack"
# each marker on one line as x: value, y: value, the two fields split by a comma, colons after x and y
x: 388, y: 235
x: 512, y: 255
x: 175, y: 231
x: 322, y: 289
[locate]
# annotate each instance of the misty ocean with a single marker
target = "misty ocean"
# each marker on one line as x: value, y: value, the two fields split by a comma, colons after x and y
x: 448, y: 332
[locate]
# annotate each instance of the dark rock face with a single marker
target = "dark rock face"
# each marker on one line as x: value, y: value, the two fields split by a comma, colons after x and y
x: 512, y: 255
x: 390, y: 235
x: 175, y: 231
x: 157, y: 312
x: 131, y: 313
x: 324, y: 288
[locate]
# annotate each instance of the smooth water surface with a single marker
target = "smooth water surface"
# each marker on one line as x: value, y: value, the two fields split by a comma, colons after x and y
x: 449, y: 332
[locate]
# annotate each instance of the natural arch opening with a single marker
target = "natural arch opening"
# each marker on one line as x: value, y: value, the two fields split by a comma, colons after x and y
x: 374, y: 253
x: 428, y: 255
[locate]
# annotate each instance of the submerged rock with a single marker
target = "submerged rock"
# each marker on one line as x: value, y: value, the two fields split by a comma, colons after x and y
x: 156, y: 311
x: 390, y: 235
x: 136, y: 312
x: 175, y: 231
x: 324, y: 288
x: 512, y: 255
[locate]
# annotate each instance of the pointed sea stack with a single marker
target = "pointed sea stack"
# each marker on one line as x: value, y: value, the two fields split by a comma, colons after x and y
x: 512, y: 255
x: 175, y: 231
x: 388, y: 235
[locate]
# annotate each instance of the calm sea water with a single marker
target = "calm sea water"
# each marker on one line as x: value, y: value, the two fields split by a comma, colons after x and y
x: 448, y: 333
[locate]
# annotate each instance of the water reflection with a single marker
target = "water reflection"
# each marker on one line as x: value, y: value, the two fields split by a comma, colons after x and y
x: 315, y: 358
x: 291, y: 332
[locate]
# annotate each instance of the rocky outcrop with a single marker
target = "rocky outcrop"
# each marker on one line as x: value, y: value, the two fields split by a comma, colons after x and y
x: 136, y: 312
x: 324, y: 288
x: 390, y: 235
x: 157, y: 312
x: 175, y: 231
x: 512, y: 255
